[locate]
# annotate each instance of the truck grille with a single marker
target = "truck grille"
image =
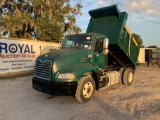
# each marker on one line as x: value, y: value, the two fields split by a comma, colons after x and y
x: 43, y: 69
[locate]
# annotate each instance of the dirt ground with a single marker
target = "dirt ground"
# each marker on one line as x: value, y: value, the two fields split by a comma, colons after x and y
x: 140, y: 101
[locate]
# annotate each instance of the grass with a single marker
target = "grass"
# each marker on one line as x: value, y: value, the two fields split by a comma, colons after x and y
x: 14, y: 75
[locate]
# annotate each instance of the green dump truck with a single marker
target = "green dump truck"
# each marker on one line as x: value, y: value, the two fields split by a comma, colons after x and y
x: 104, y: 56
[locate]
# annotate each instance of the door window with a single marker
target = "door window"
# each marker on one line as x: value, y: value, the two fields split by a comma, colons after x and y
x: 99, y: 44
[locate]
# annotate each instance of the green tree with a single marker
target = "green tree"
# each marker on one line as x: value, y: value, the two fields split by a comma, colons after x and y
x: 41, y: 19
x: 138, y: 39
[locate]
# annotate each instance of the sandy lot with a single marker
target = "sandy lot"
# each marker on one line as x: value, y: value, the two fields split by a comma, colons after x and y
x: 141, y: 101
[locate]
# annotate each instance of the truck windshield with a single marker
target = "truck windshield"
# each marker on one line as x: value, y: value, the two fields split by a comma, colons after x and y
x: 78, y: 41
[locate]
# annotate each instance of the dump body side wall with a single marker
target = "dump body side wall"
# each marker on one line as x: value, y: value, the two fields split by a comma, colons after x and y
x: 114, y: 27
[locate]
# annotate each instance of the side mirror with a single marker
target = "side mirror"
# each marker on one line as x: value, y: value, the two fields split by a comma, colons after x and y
x: 105, y: 46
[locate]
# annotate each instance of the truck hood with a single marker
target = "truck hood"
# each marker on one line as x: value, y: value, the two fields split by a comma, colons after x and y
x: 67, y: 58
x: 61, y: 53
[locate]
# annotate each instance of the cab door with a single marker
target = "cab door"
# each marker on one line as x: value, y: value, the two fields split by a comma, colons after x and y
x: 99, y: 58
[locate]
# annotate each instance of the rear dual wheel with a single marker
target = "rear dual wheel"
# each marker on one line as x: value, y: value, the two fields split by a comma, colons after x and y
x: 126, y: 76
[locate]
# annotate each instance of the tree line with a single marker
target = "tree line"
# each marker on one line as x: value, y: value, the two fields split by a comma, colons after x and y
x: 38, y: 19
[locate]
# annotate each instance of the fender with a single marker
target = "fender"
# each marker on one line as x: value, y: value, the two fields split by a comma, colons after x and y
x: 78, y: 70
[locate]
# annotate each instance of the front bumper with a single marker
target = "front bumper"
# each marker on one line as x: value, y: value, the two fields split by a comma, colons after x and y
x: 54, y: 88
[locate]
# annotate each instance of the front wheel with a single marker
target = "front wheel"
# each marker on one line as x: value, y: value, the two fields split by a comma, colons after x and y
x: 85, y: 89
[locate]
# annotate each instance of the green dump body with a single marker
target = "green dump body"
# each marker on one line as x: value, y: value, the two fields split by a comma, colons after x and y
x: 111, y: 22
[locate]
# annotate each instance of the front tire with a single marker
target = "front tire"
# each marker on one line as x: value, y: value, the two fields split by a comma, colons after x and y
x: 85, y: 89
x: 128, y: 77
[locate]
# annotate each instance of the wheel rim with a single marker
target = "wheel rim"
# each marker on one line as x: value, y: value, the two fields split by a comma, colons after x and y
x: 130, y: 77
x: 87, y: 90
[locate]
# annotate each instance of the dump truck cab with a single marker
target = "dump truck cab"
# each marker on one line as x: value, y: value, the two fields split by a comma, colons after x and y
x: 104, y: 56
x: 96, y: 45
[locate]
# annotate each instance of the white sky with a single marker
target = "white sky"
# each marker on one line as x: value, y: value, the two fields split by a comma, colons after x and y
x: 145, y: 19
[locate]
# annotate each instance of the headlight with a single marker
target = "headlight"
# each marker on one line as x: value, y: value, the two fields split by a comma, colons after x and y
x: 66, y: 76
